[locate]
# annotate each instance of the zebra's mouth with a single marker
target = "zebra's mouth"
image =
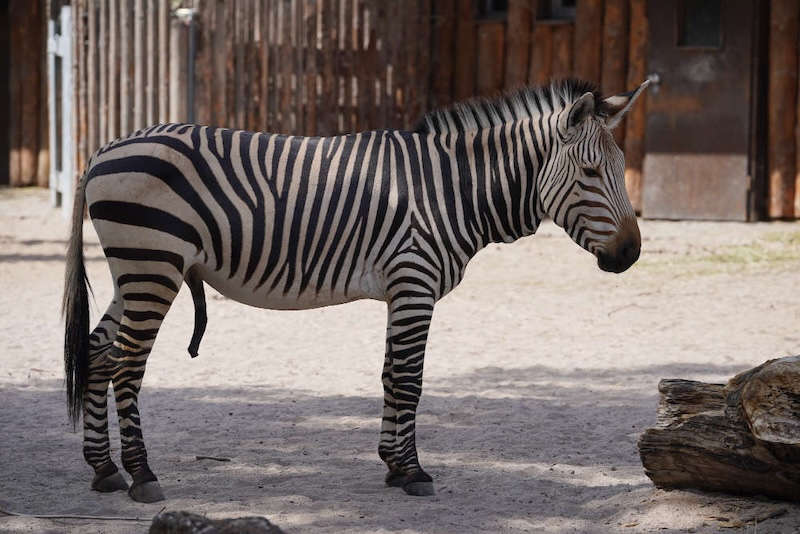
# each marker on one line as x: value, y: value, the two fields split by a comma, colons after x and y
x: 623, y: 251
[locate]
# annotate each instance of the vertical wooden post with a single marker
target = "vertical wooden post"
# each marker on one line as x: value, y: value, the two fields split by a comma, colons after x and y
x: 82, y: 97
x: 423, y: 62
x: 113, y: 71
x: 26, y: 42
x: 126, y: 64
x: 91, y: 75
x: 615, y: 53
x: 637, y: 117
x: 163, y: 60
x: 541, y: 60
x: 562, y: 50
x: 444, y: 27
x: 151, y: 109
x: 102, y: 46
x: 783, y: 31
x: 491, y: 45
x: 465, y: 51
x: 266, y: 74
x: 254, y: 120
x: 518, y: 41
x: 310, y: 16
x: 239, y: 84
x: 588, y: 39
x: 138, y: 65
x: 177, y: 74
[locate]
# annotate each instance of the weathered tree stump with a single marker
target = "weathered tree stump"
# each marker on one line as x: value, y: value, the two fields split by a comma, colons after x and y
x: 743, y: 437
x: 188, y: 523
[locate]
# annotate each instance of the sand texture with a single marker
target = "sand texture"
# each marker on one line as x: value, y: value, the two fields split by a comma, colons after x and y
x: 540, y: 375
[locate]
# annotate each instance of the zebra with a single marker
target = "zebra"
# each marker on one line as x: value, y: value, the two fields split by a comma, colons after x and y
x: 289, y: 222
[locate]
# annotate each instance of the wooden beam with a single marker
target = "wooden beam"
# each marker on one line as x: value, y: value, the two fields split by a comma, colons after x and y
x: 126, y: 67
x: 782, y: 107
x: 112, y: 131
x: 588, y: 39
x: 163, y: 60
x: 562, y: 51
x: 102, y: 48
x: 151, y: 63
x: 93, y: 109
x: 636, y: 120
x: 139, y: 77
x: 465, y: 51
x: 491, y: 48
x: 444, y: 28
x: 518, y: 41
x: 177, y: 71
x: 615, y: 54
x: 540, y: 69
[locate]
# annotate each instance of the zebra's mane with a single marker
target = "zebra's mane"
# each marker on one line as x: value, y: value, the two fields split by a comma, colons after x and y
x: 477, y: 113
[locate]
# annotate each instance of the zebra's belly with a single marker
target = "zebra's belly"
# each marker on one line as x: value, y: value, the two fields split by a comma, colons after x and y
x: 280, y: 297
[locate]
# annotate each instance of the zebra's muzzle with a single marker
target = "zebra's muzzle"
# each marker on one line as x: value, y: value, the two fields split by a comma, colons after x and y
x: 623, y: 250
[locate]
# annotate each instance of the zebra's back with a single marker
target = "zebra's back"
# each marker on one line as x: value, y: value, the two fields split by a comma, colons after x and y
x: 270, y: 220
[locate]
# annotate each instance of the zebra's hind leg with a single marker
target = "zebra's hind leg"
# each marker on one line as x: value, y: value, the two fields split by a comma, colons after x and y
x: 146, y: 299
x: 410, y: 312
x: 96, y: 446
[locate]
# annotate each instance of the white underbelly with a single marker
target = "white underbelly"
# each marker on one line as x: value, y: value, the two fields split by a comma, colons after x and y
x: 366, y: 286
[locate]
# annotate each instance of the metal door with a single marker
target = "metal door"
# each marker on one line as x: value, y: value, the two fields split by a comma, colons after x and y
x: 700, y: 158
x: 59, y: 73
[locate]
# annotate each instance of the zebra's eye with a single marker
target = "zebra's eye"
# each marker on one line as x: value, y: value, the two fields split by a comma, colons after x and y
x: 588, y: 171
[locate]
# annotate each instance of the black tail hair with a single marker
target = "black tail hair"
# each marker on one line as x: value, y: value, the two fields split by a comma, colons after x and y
x: 75, y: 309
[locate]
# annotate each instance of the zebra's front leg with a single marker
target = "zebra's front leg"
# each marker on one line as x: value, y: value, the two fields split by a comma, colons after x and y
x: 96, y: 445
x: 410, y: 313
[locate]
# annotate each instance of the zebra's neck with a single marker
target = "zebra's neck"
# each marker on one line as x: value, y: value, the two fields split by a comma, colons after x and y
x: 492, y: 175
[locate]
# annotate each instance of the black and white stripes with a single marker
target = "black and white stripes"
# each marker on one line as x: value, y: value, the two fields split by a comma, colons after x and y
x: 287, y: 222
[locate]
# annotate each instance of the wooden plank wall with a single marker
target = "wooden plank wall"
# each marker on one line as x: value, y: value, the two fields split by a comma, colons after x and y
x: 319, y: 67
x: 28, y: 162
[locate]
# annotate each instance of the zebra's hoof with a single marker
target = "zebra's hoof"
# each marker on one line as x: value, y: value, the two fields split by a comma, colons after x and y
x: 113, y: 482
x: 395, y: 479
x: 419, y: 484
x: 146, y: 492
x: 107, y: 478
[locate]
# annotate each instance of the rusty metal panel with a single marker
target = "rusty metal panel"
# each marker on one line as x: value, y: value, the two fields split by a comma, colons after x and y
x: 699, y: 114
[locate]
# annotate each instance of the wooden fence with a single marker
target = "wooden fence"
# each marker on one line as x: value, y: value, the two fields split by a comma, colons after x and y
x: 320, y: 67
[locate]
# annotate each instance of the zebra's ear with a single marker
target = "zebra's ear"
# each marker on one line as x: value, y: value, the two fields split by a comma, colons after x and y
x: 581, y: 110
x: 614, y: 108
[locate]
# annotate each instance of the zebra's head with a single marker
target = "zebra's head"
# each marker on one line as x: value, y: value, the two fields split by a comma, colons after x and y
x: 583, y: 184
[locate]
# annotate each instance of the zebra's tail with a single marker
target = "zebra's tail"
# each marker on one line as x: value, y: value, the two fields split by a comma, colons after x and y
x: 75, y: 309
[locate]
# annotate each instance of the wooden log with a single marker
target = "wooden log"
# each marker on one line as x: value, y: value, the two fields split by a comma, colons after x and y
x: 491, y: 46
x: 562, y: 51
x: 615, y: 54
x: 286, y: 108
x: 239, y: 58
x: 588, y: 42
x: 189, y: 523
x: 743, y: 437
x: 518, y: 42
x: 782, y: 98
x: 636, y: 119
x: 541, y: 58
x: 465, y: 51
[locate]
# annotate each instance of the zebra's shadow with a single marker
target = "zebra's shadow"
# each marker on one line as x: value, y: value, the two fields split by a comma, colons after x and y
x: 506, y: 448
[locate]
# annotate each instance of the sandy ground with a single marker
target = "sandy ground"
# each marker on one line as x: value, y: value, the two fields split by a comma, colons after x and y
x: 541, y: 374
